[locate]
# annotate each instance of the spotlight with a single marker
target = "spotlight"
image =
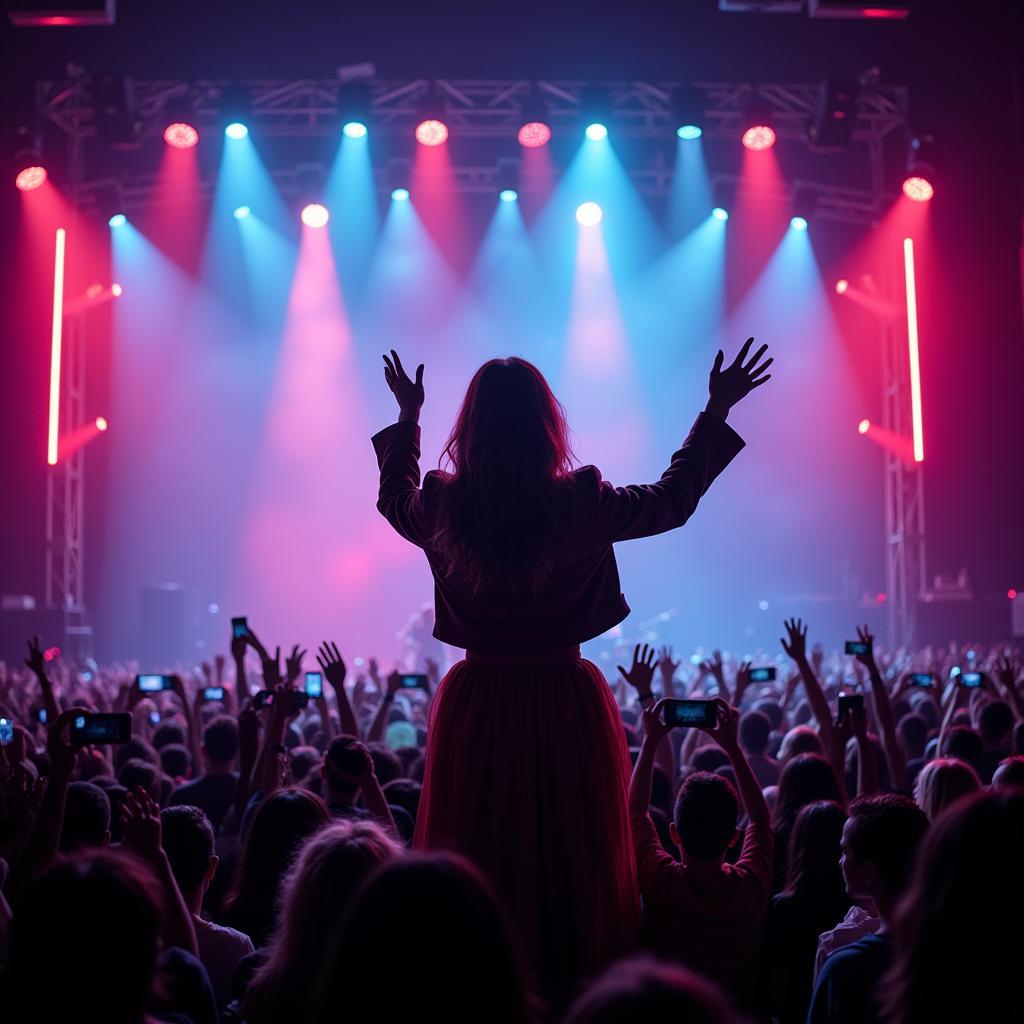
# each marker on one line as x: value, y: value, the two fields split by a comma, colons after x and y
x: 596, y: 111
x: 588, y: 215
x: 534, y: 129
x: 917, y: 188
x: 798, y: 223
x: 101, y: 423
x: 315, y: 215
x: 116, y: 290
x: 758, y: 131
x: 688, y: 112
x: 235, y: 110
x: 508, y: 195
x: 864, y: 426
x: 118, y: 220
x: 244, y: 211
x: 180, y: 135
x: 354, y: 108
x: 841, y: 285
x: 29, y: 178
x: 431, y: 129
x: 919, y: 183
x: 400, y: 195
x: 29, y: 170
x: 1012, y: 594
x: 719, y: 213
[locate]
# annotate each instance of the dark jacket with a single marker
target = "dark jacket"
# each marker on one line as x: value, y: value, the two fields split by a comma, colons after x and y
x: 581, y: 598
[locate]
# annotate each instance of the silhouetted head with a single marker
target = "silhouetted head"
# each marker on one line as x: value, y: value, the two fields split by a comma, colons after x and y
x: 84, y: 941
x: 86, y: 818
x: 964, y: 743
x: 941, y: 782
x: 188, y: 840
x: 1010, y: 773
x: 960, y: 917
x: 509, y: 445
x: 643, y: 989
x: 755, y: 731
x: 880, y: 840
x: 804, y: 779
x: 813, y: 862
x: 315, y: 894
x: 801, y: 739
x: 278, y: 828
x: 467, y: 968
x: 704, y: 818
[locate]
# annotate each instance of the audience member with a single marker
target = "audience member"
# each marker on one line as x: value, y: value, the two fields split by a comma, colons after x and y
x: 880, y: 840
x: 702, y: 911
x: 188, y: 841
x: 214, y: 791
x: 755, y: 734
x: 941, y: 782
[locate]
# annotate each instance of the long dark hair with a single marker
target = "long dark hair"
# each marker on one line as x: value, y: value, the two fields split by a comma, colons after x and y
x: 508, y: 449
x: 960, y: 917
x: 469, y: 968
x: 813, y: 869
x: 279, y: 827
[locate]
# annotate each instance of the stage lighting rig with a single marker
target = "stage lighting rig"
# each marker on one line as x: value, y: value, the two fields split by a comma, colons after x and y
x: 922, y: 157
x: 354, y: 108
x: 29, y: 169
x: 596, y: 111
x: 180, y: 131
x: 758, y: 125
x: 235, y: 110
x: 534, y: 124
x: 835, y: 115
x: 688, y: 112
x: 431, y: 127
x: 66, y: 13
x: 803, y: 206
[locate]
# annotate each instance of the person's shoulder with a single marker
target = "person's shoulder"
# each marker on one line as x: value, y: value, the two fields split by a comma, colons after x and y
x: 222, y: 934
x: 850, y: 959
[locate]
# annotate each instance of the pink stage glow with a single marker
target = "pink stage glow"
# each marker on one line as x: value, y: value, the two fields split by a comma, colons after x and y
x: 431, y: 132
x: 759, y: 137
x: 841, y: 285
x: 181, y: 135
x: 30, y: 178
x: 915, y: 356
x: 55, y: 347
x: 919, y: 189
x: 534, y: 134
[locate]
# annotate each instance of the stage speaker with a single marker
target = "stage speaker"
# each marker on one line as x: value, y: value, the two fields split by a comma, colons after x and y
x: 167, y: 626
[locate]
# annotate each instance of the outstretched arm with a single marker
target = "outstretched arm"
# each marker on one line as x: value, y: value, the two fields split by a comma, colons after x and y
x: 641, y: 510
x: 796, y: 647
x: 883, y: 715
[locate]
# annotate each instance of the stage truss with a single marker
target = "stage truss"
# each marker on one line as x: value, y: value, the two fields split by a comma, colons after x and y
x: 492, y: 109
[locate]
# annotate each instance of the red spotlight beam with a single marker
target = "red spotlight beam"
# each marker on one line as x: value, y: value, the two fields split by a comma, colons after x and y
x: 55, y: 347
x: 914, y: 350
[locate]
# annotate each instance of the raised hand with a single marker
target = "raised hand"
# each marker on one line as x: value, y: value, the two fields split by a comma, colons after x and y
x: 272, y: 670
x: 667, y: 667
x: 726, y: 735
x: 818, y: 658
x: 641, y: 672
x: 796, y: 644
x: 742, y: 682
x: 408, y: 394
x: 713, y: 666
x: 731, y: 385
x: 293, y: 664
x: 140, y: 824
x: 865, y: 636
x: 330, y: 661
x: 655, y: 727
x: 35, y: 660
x: 1006, y: 673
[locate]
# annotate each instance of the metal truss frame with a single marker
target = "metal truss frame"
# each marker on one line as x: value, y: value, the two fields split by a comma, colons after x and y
x: 492, y: 109
x: 905, y: 548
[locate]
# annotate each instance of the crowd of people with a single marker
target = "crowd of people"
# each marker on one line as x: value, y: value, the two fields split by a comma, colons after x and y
x: 800, y: 857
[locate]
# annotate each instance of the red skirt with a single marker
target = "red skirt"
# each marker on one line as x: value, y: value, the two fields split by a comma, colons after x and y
x: 527, y: 774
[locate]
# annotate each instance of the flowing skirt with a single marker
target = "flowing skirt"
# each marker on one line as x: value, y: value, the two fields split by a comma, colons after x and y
x: 527, y: 775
